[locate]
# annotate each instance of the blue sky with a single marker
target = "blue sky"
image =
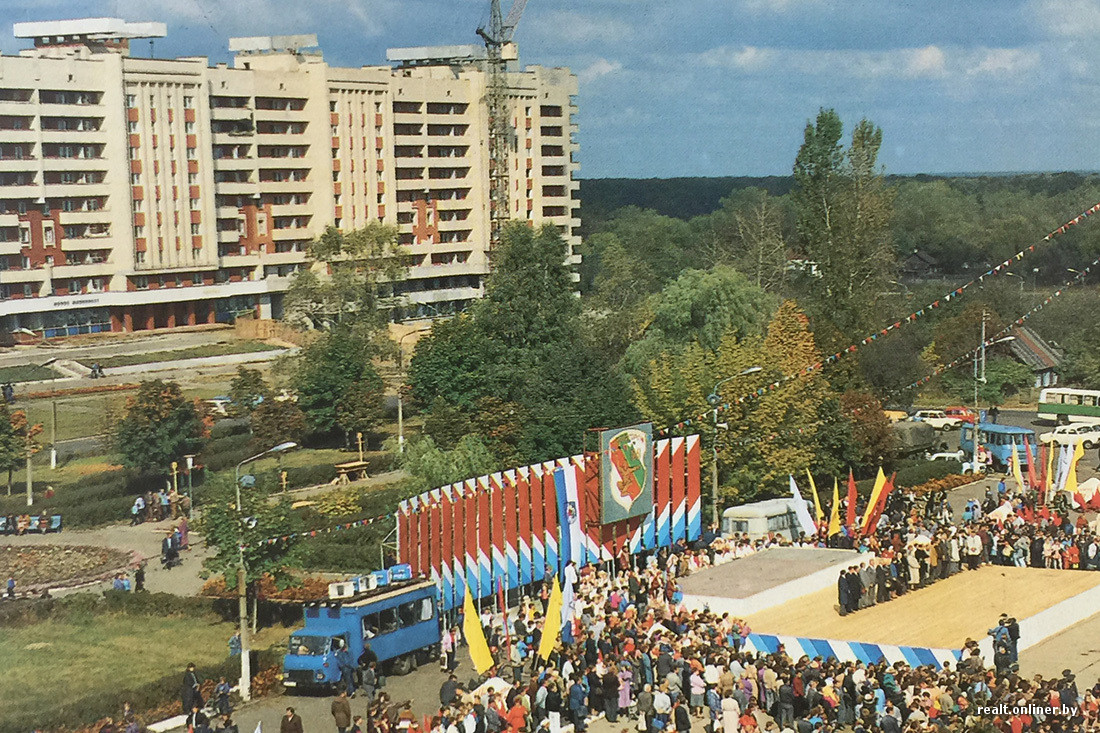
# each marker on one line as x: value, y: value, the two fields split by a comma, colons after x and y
x: 725, y: 87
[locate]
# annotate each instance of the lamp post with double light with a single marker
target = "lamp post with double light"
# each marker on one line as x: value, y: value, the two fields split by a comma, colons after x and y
x: 242, y: 598
x: 714, y: 399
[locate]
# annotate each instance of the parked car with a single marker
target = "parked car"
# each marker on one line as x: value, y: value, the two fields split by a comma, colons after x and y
x: 1073, y: 434
x: 938, y: 419
x: 965, y: 414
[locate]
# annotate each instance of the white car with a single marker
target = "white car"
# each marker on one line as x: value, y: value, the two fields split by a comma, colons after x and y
x: 1073, y: 434
x: 938, y: 419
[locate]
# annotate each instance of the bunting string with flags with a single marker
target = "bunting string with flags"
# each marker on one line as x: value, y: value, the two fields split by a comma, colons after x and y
x: 870, y: 338
x: 968, y: 356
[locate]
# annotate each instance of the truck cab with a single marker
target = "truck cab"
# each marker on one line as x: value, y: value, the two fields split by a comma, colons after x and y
x: 399, y: 620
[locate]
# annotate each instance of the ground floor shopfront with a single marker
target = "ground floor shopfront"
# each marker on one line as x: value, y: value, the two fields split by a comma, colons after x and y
x: 59, y: 317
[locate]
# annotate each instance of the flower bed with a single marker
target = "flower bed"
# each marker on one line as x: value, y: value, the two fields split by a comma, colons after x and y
x: 309, y: 589
x: 946, y: 483
x: 56, y: 566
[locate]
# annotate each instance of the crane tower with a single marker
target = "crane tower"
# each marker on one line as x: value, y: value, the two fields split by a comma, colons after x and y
x: 497, y: 38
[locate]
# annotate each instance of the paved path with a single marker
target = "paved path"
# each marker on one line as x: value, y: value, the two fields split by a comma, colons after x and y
x: 144, y: 539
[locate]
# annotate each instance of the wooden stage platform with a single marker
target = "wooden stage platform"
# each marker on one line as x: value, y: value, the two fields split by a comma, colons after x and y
x: 942, y: 615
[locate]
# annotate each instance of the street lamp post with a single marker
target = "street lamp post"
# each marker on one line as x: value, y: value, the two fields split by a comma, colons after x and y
x: 713, y: 398
x: 979, y: 356
x: 245, y: 684
x: 400, y: 384
x: 190, y: 458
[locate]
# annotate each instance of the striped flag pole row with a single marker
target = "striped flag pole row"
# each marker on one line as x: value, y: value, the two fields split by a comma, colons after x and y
x: 968, y: 356
x: 919, y: 313
x: 508, y: 528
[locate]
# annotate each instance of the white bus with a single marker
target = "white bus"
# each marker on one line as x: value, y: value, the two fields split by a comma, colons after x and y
x: 1063, y: 405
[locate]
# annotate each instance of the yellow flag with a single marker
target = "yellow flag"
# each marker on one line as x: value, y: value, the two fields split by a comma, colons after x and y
x: 834, y: 516
x: 551, y: 627
x: 876, y: 492
x: 475, y: 637
x: 1071, y: 475
x: 819, y: 516
x: 1016, y: 473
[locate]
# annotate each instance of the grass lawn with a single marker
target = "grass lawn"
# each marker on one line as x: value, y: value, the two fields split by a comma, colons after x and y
x: 65, y: 660
x: 219, y: 349
x: 27, y: 373
x: 77, y: 417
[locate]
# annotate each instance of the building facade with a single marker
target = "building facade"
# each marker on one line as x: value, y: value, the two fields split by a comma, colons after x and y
x: 140, y: 193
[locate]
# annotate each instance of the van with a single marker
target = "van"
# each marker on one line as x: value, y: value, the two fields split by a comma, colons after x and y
x: 761, y: 518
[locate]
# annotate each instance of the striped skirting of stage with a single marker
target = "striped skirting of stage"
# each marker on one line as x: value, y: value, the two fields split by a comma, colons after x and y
x: 852, y: 651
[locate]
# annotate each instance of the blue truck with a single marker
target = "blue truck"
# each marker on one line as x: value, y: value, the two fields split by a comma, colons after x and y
x: 998, y: 439
x: 399, y: 620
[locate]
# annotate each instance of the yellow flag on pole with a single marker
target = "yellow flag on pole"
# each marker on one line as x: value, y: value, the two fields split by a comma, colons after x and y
x: 876, y: 492
x: 475, y: 636
x: 1048, y: 476
x: 819, y: 515
x: 551, y: 627
x: 834, y: 516
x: 1071, y: 475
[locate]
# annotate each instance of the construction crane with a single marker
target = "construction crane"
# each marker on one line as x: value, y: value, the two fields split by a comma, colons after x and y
x: 497, y: 37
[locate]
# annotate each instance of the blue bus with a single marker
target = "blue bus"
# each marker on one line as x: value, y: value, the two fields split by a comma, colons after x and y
x: 998, y: 439
x: 401, y: 622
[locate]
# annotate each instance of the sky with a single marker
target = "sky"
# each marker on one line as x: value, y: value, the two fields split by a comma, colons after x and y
x: 726, y: 87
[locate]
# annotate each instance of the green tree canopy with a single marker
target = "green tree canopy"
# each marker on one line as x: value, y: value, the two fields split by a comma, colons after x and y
x: 701, y: 306
x: 352, y: 281
x: 248, y: 390
x: 338, y: 387
x: 524, y: 345
x: 261, y: 517
x: 844, y: 208
x: 159, y: 426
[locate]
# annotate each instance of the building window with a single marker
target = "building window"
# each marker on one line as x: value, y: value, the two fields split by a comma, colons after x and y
x: 191, y: 154
x: 189, y: 127
x: 192, y: 178
x: 131, y: 100
x: 135, y: 179
x: 194, y: 230
x: 188, y: 102
x: 132, y: 126
x: 139, y: 232
x: 135, y: 153
x: 75, y: 286
x: 141, y: 282
x: 195, y: 204
x: 139, y: 257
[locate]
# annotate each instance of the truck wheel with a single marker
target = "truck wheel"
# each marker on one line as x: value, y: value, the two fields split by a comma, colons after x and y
x: 402, y: 665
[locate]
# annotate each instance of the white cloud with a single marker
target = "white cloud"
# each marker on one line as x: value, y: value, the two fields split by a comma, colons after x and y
x: 929, y: 62
x: 599, y: 67
x: 1068, y: 18
x: 257, y: 17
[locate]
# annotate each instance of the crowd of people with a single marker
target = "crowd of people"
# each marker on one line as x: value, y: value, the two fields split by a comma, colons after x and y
x: 635, y: 657
x: 157, y: 506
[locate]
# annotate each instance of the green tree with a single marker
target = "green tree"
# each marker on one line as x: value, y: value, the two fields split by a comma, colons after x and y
x: 437, y: 467
x: 525, y: 345
x: 747, y: 232
x: 277, y: 421
x: 12, y: 444
x: 338, y: 388
x: 248, y: 390
x: 1082, y: 363
x: 261, y: 517
x: 159, y: 426
x: 1004, y: 377
x: 700, y: 306
x: 352, y: 284
x: 844, y: 208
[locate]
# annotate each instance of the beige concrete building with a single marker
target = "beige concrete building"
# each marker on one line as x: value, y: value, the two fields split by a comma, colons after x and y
x: 144, y: 193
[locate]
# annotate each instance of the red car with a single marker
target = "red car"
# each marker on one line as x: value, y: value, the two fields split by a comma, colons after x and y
x: 965, y: 414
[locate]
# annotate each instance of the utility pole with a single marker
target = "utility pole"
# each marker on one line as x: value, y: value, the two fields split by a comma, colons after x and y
x: 53, y: 437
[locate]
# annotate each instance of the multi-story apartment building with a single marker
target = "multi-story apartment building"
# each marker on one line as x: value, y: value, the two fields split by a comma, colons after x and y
x: 141, y: 193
